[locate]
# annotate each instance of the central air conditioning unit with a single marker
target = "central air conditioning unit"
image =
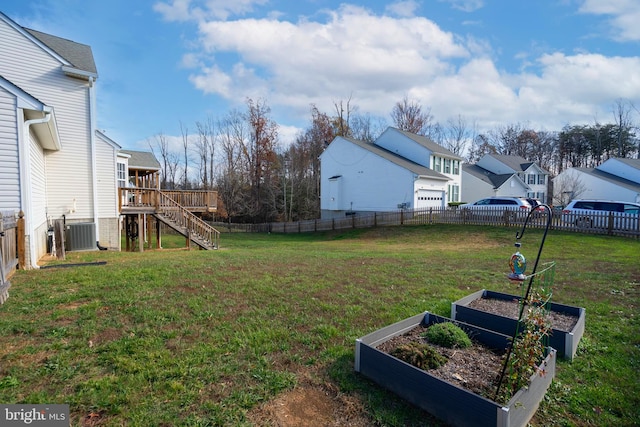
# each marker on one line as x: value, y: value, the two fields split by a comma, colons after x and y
x: 81, y: 236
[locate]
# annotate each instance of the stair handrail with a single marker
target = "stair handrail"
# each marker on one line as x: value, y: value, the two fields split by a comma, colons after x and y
x: 182, y: 217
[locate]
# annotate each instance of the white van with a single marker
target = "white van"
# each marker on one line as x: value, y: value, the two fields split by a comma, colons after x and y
x: 599, y: 213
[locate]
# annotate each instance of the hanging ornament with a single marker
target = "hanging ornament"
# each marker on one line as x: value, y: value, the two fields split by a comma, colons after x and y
x: 518, y: 265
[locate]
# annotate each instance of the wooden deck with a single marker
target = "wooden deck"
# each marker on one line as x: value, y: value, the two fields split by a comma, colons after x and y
x: 138, y: 204
x: 147, y: 200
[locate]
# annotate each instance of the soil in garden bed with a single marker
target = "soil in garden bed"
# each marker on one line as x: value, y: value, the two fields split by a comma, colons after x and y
x: 475, y: 368
x: 510, y: 309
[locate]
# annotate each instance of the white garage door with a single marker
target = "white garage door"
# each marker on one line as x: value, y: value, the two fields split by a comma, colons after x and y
x: 430, y: 199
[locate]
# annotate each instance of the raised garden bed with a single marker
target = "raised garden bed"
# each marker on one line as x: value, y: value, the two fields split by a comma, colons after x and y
x: 440, y: 397
x: 476, y: 309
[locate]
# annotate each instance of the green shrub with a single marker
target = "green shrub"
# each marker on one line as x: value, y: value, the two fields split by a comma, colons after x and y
x: 448, y: 335
x: 420, y: 355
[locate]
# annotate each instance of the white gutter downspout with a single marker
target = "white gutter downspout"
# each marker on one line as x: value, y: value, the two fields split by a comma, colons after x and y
x: 92, y: 139
x: 26, y: 187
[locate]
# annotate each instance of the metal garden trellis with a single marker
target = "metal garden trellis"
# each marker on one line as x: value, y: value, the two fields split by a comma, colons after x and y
x: 518, y: 266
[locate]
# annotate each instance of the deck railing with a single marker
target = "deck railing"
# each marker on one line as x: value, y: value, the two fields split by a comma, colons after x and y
x: 183, y: 218
x: 154, y: 201
x: 193, y: 200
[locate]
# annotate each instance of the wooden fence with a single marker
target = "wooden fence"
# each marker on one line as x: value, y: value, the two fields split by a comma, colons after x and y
x: 8, y: 251
x: 611, y: 223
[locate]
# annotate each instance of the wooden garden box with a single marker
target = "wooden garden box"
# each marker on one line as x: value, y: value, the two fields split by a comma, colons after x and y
x: 442, y: 398
x: 565, y: 342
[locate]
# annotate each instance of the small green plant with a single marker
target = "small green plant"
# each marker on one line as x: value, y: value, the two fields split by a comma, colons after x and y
x: 448, y: 335
x: 528, y: 348
x: 420, y: 355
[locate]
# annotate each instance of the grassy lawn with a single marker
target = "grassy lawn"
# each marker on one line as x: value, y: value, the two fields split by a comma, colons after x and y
x: 198, y: 338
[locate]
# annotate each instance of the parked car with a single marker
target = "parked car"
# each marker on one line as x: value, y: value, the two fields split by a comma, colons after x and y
x: 496, y: 206
x: 600, y: 213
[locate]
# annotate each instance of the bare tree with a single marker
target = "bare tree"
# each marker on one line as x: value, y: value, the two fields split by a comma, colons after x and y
x: 184, y: 132
x: 342, y: 120
x: 366, y: 128
x: 566, y: 187
x: 407, y: 115
x: 162, y: 145
x: 304, y: 166
x: 457, y: 135
x: 622, y: 119
x: 233, y: 183
x: 205, y: 148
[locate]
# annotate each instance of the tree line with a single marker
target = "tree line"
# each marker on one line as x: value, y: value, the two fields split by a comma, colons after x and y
x: 259, y: 180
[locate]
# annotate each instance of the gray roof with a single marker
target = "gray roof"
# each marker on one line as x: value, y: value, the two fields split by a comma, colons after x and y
x: 398, y: 160
x: 487, y: 176
x: 634, y: 163
x: 79, y: 55
x: 429, y: 144
x: 606, y: 176
x: 517, y: 163
x: 142, y: 160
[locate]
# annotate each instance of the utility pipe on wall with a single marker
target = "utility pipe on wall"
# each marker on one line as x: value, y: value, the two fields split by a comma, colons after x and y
x: 26, y: 182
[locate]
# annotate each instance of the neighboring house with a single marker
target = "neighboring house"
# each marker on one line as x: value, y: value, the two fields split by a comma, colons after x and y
x: 503, y: 175
x: 615, y: 179
x: 54, y: 164
x: 399, y: 170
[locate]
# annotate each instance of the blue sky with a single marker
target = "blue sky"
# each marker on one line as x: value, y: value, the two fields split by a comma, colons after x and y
x: 161, y: 63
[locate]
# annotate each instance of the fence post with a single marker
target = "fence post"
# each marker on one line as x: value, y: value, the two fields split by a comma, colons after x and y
x: 610, y: 224
x: 21, y: 243
x: 402, y: 217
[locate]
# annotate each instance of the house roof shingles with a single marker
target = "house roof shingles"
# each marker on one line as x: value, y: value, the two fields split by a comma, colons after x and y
x: 78, y: 54
x: 606, y: 176
x: 489, y: 177
x: 429, y: 144
x: 398, y: 160
x: 142, y: 160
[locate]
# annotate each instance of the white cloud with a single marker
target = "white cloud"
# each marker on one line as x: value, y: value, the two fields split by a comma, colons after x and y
x: 404, y: 9
x: 330, y: 60
x: 189, y: 10
x: 294, y: 64
x: 465, y: 5
x: 625, y: 16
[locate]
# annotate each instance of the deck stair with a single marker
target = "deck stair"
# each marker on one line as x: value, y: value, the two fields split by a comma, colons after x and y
x: 184, y: 222
x: 135, y: 201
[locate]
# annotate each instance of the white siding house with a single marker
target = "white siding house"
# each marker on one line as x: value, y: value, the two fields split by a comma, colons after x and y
x: 53, y: 165
x: 503, y: 175
x: 359, y: 177
x: 615, y: 179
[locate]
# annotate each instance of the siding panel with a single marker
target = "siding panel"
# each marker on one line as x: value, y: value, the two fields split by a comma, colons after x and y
x: 9, y: 171
x: 26, y: 65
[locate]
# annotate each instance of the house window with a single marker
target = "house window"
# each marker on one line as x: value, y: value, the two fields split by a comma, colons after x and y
x: 437, y: 165
x: 122, y: 175
x: 541, y: 179
x: 456, y: 167
x: 447, y: 165
x: 453, y: 195
x: 531, y: 179
x: 540, y: 195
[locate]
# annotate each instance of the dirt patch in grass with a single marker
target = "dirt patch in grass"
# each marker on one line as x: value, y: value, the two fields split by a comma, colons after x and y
x: 311, y: 404
x: 105, y: 336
